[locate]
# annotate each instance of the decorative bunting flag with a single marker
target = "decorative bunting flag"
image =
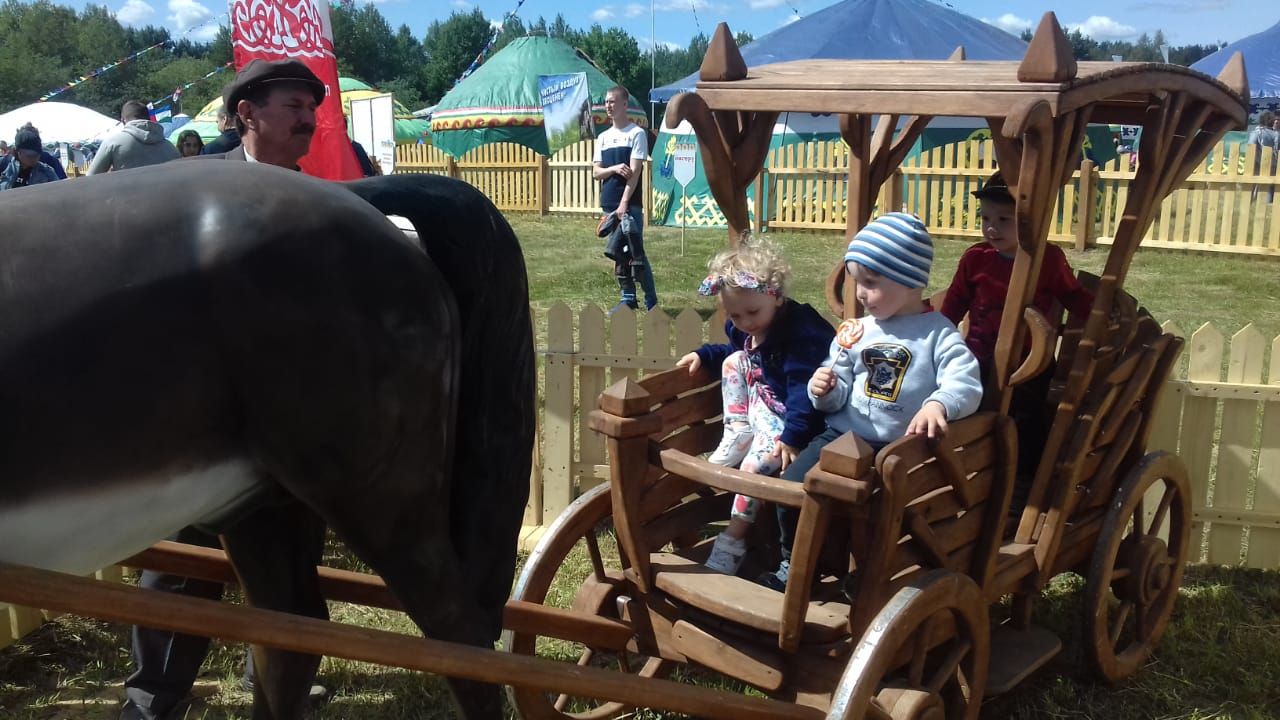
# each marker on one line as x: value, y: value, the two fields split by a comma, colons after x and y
x: 106, y: 68
x: 497, y: 31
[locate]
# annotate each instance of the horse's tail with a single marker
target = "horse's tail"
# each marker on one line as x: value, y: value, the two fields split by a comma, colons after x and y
x: 477, y: 252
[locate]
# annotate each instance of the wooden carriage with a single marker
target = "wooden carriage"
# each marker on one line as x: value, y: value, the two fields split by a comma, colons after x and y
x: 898, y: 555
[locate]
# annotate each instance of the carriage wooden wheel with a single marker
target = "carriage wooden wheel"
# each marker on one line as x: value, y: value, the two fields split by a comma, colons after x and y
x: 580, y: 535
x: 1137, y: 566
x: 924, y: 657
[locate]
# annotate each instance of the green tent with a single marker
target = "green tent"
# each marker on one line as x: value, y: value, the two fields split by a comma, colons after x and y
x: 409, y: 129
x: 499, y: 101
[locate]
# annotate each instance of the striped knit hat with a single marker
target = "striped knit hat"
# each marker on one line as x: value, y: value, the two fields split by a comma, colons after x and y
x: 897, y: 246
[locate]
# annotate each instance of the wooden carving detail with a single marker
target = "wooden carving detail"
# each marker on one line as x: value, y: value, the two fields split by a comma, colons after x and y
x: 733, y: 145
x: 722, y: 61
x: 1049, y: 57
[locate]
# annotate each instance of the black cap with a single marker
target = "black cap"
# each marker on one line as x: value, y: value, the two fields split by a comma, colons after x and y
x: 995, y: 189
x: 27, y: 140
x: 258, y: 72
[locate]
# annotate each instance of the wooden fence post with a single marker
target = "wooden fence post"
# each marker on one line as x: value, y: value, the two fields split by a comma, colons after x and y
x: 558, y: 404
x: 451, y: 167
x: 544, y: 185
x: 1088, y: 203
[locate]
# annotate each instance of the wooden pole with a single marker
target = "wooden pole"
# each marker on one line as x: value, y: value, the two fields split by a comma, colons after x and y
x: 370, y: 591
x: 114, y: 602
x: 544, y: 185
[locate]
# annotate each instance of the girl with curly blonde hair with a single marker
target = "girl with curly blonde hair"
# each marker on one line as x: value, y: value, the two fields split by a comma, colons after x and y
x: 775, y: 345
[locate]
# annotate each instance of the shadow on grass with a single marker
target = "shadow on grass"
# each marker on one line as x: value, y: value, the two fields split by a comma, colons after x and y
x: 1219, y: 657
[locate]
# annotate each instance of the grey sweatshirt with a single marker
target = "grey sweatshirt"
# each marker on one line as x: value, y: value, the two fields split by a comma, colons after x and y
x: 138, y: 143
x: 899, y: 365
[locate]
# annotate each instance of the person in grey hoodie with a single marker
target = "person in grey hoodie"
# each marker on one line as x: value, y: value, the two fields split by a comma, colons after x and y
x: 139, y: 143
x: 910, y: 371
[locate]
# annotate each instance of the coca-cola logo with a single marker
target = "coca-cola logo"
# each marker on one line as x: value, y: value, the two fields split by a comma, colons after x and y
x: 292, y: 28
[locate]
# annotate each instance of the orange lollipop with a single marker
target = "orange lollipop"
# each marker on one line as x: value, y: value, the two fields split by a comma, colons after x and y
x: 849, y: 333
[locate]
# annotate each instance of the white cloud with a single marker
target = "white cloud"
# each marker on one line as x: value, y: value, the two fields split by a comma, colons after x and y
x: 602, y: 14
x: 1101, y: 27
x: 134, y: 12
x: 765, y: 4
x: 790, y: 19
x: 635, y: 10
x: 461, y: 4
x: 187, y: 14
x: 1010, y: 23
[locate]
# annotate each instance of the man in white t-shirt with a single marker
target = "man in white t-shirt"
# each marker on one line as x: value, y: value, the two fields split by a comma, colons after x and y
x: 618, y: 163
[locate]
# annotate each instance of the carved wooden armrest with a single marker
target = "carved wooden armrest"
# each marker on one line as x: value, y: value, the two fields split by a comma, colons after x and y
x: 617, y: 427
x: 760, y: 487
x: 843, y: 471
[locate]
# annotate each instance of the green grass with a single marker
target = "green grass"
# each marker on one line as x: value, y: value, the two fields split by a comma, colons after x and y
x: 1219, y: 659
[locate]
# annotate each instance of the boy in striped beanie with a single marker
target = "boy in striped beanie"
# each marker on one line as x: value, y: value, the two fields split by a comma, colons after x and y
x: 910, y: 372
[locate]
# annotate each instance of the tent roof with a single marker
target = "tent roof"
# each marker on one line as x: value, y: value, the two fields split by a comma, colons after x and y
x: 58, y: 122
x: 504, y: 90
x: 873, y: 30
x: 1261, y: 61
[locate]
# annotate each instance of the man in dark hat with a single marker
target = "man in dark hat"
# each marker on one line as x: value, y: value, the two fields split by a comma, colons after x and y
x: 26, y: 167
x: 273, y: 106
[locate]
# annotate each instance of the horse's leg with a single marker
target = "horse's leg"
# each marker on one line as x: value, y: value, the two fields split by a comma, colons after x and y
x: 275, y: 551
x: 397, y: 519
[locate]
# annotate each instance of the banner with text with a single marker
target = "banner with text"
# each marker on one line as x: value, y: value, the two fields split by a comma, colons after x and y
x: 300, y: 29
x: 566, y: 109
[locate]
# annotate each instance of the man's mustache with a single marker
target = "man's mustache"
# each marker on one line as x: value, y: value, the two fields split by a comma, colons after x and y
x: 304, y: 130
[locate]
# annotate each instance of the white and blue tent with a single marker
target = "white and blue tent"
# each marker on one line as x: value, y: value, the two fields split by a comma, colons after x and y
x: 848, y: 30
x: 1261, y: 53
x: 873, y: 30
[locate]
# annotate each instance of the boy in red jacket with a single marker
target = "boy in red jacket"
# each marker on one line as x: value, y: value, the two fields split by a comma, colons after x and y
x: 979, y: 288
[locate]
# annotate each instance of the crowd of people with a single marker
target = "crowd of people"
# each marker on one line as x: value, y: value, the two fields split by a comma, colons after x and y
x: 140, y: 141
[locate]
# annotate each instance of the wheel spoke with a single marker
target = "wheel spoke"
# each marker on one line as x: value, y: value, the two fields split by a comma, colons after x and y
x: 1120, y: 572
x: 947, y: 669
x: 1140, y: 620
x: 593, y: 549
x: 920, y: 652
x: 1161, y: 510
x: 1122, y: 614
x: 1138, y: 519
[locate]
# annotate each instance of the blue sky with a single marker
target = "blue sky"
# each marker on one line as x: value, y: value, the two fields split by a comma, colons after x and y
x: 1184, y: 21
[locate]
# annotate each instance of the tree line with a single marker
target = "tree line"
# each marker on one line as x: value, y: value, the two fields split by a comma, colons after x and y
x: 44, y: 45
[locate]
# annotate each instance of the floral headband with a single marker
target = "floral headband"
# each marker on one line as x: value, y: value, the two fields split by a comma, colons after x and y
x: 743, y: 279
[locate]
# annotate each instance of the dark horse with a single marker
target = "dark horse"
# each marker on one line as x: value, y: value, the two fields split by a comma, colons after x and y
x: 259, y: 352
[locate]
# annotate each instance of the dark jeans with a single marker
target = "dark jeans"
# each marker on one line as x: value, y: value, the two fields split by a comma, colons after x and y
x: 637, y: 268
x: 169, y: 662
x: 795, y: 472
x: 1029, y: 415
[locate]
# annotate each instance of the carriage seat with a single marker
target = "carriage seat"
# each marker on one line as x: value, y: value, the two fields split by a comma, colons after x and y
x: 741, y: 601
